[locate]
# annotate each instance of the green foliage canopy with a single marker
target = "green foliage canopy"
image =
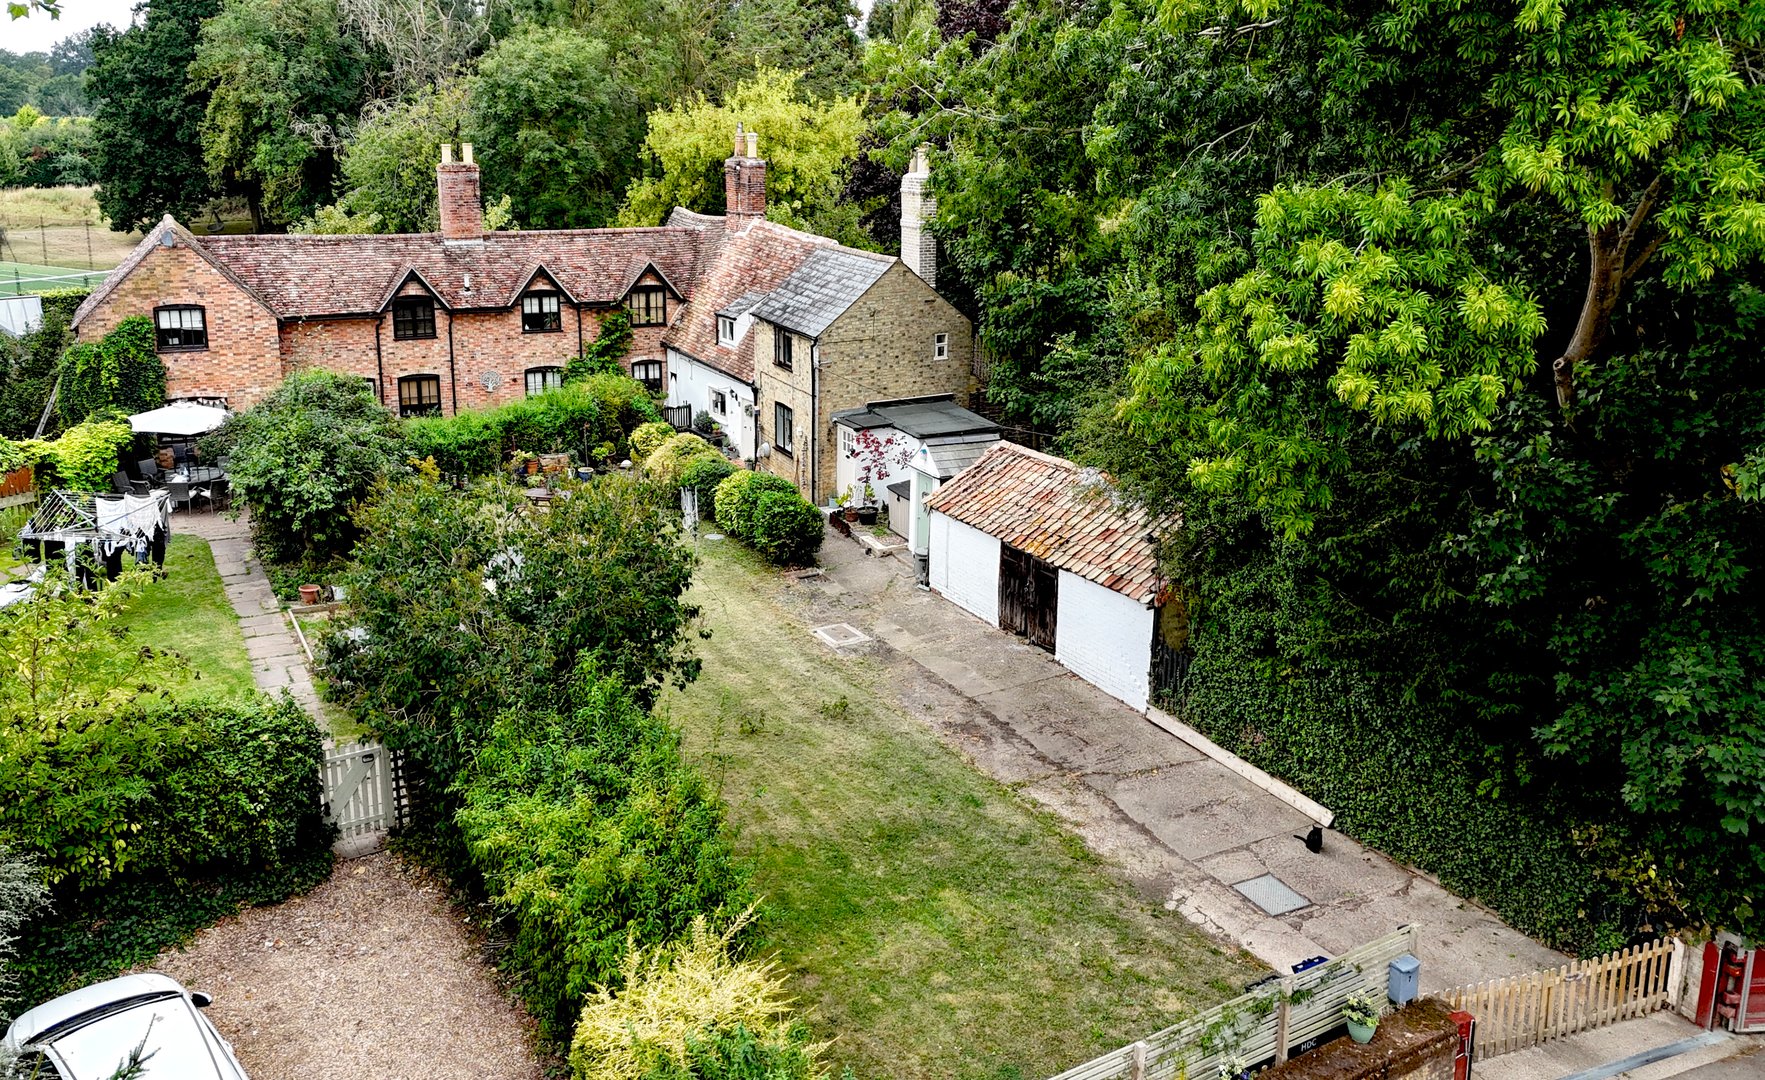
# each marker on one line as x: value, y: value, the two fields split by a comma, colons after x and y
x: 121, y: 371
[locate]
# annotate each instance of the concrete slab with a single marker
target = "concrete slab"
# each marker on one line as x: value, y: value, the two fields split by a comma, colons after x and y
x: 1182, y: 826
x: 1564, y: 1057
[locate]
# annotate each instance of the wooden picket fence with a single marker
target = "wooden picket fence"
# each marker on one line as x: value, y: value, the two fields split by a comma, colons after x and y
x: 1283, y: 1017
x: 1525, y: 1010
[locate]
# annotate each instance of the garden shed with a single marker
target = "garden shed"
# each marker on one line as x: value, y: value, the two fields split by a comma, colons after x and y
x: 1042, y: 548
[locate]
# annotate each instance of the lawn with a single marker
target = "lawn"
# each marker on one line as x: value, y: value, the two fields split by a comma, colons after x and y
x: 932, y: 921
x: 187, y: 611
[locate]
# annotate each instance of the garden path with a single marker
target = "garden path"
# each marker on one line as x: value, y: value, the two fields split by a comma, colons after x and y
x: 371, y: 976
x: 277, y: 661
x: 1185, y: 827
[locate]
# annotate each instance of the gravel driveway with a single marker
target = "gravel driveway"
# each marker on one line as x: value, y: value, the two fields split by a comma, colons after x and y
x: 371, y: 976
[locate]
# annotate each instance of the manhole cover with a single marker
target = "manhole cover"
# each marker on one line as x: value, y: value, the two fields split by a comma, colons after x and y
x: 1272, y: 895
x: 840, y: 634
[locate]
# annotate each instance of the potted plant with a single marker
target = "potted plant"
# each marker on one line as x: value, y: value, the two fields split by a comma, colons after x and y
x: 844, y: 502
x: 522, y: 462
x: 309, y: 594
x: 867, y: 510
x: 1361, y: 1011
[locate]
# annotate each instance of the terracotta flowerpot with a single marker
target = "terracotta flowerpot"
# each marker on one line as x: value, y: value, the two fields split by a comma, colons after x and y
x: 309, y: 594
x: 851, y: 513
x: 532, y: 466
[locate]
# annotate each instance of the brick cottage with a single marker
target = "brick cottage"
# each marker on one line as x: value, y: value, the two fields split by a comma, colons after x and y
x: 464, y: 318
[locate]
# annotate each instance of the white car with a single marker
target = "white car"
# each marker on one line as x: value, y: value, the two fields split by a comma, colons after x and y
x: 92, y: 1034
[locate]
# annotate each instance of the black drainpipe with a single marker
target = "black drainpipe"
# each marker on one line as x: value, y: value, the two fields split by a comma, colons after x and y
x: 379, y: 361
x: 579, y: 328
x: 453, y: 382
x: 814, y: 418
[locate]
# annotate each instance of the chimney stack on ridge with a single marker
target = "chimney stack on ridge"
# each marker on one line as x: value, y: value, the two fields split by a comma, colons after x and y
x: 456, y: 187
x: 744, y: 181
x: 919, y: 248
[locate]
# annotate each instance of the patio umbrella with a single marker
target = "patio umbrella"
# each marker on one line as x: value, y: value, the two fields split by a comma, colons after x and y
x: 179, y: 418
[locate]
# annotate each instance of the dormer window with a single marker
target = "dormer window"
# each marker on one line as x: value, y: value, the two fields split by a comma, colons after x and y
x: 648, y: 306
x: 540, y: 313
x: 725, y: 330
x: 413, y: 317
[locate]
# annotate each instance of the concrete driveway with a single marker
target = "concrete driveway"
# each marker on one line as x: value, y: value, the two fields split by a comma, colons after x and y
x: 1193, y: 834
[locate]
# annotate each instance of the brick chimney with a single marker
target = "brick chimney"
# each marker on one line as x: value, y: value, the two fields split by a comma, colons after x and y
x: 919, y: 248
x: 456, y: 186
x: 744, y: 181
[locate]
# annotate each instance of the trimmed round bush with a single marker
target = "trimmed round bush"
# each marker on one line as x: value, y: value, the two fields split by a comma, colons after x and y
x: 703, y: 474
x: 738, y: 500
x: 669, y: 461
x: 647, y: 438
x: 787, y: 528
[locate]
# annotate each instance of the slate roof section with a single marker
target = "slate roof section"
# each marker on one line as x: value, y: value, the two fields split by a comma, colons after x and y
x: 829, y: 281
x: 755, y: 260
x: 923, y: 418
x: 1054, y: 510
x: 951, y: 459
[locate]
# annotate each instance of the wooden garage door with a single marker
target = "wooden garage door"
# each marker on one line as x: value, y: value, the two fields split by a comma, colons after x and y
x: 1029, y: 596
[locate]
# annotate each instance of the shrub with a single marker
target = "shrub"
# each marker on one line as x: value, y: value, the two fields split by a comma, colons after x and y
x: 592, y: 836
x: 465, y: 444
x: 691, y: 1009
x: 121, y: 371
x: 738, y: 499
x: 86, y: 455
x: 668, y: 463
x: 569, y: 420
x: 703, y: 474
x: 305, y: 457
x: 787, y: 528
x: 647, y: 438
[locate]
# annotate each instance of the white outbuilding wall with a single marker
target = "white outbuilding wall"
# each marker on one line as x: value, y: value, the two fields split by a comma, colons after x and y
x: 965, y: 567
x: 1104, y: 638
x: 691, y: 383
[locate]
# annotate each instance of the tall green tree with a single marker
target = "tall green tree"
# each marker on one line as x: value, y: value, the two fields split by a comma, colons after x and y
x: 805, y: 140
x: 280, y: 76
x: 146, y: 116
x: 555, y: 127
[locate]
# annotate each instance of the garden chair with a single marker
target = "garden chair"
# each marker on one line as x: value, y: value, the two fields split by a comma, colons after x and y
x: 214, y: 493
x: 140, y: 487
x: 149, y: 469
x: 119, y: 481
x: 180, y: 494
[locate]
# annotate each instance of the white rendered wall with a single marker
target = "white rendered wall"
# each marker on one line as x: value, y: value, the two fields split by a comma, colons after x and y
x: 1104, y: 638
x: 691, y: 383
x: 965, y: 567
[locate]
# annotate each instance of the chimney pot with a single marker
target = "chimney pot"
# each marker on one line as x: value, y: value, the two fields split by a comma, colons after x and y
x: 753, y: 144
x: 447, y: 153
x: 466, y: 153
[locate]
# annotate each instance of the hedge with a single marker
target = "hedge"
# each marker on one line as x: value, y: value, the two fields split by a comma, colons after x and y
x: 766, y: 511
x: 592, y: 835
x: 588, y: 418
x: 667, y: 465
x: 703, y: 474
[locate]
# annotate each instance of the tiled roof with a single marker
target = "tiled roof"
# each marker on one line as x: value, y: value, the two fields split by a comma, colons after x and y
x: 829, y: 281
x: 307, y: 276
x: 756, y: 260
x: 166, y: 233
x: 1054, y: 510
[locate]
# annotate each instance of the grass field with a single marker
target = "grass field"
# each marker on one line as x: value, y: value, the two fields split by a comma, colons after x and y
x: 932, y: 921
x: 20, y: 278
x: 187, y: 611
x: 59, y: 227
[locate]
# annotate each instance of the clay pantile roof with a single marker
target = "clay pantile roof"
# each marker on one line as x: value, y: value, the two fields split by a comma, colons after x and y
x: 157, y: 237
x: 316, y: 276
x: 1056, y: 511
x: 755, y: 260
x: 829, y: 281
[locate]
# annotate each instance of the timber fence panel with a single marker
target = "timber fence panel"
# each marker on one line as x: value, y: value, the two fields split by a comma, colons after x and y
x: 1521, y: 1011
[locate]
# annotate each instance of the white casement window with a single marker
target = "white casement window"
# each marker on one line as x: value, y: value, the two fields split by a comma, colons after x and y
x: 719, y: 403
x: 848, y: 443
x: 940, y: 346
x: 725, y: 330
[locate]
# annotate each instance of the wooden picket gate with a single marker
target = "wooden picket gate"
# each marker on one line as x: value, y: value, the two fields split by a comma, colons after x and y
x: 1525, y: 1010
x: 364, y: 795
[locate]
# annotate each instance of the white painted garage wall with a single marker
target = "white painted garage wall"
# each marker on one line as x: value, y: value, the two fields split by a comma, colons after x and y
x: 965, y: 567
x: 1104, y: 638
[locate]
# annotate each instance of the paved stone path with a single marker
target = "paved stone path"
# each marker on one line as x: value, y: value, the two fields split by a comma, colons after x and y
x: 1184, y: 827
x: 277, y: 661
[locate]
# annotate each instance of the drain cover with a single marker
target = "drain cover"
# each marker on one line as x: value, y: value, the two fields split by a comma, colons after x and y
x: 1272, y: 895
x: 840, y: 634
